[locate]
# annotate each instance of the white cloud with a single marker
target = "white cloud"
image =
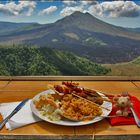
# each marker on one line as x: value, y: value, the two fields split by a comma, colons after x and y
x: 87, y: 2
x: 46, y: 0
x: 69, y: 10
x: 69, y: 2
x: 48, y: 10
x: 115, y: 9
x: 12, y: 8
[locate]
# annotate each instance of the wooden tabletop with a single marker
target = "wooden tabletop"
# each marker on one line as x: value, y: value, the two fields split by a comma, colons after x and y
x: 19, y: 90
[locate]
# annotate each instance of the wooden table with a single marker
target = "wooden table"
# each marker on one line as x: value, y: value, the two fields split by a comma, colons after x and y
x: 19, y: 90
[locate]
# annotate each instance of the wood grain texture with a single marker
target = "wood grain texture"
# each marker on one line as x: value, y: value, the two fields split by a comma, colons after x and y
x: 137, y: 84
x: 19, y: 90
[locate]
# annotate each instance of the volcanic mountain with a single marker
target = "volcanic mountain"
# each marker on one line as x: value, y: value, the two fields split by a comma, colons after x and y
x: 82, y: 34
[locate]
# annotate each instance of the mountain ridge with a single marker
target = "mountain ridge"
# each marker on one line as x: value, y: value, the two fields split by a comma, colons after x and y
x: 83, y: 21
x: 94, y: 24
x: 9, y: 27
x: 82, y: 34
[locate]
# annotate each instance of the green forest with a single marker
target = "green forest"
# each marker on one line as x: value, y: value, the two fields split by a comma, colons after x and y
x: 20, y: 60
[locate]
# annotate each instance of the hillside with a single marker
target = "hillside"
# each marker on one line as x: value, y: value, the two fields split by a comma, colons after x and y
x: 10, y: 27
x: 131, y: 68
x: 33, y: 60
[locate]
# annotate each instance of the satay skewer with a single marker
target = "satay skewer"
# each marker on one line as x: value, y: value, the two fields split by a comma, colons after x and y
x: 99, y: 91
x: 103, y: 98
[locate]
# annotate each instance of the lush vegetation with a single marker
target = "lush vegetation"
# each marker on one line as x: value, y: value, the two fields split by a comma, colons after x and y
x: 33, y: 60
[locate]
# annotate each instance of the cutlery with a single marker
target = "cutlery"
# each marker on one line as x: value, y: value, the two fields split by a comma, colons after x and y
x: 137, y: 120
x: 2, y: 123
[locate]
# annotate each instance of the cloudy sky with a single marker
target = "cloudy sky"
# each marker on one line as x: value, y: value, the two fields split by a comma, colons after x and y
x: 120, y: 13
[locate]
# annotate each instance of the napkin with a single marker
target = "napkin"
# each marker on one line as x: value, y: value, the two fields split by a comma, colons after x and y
x: 126, y: 120
x: 23, y: 117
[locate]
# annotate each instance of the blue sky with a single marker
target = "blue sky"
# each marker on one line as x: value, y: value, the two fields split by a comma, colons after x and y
x: 120, y: 13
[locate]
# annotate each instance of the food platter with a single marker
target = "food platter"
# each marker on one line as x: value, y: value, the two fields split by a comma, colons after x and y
x: 67, y: 122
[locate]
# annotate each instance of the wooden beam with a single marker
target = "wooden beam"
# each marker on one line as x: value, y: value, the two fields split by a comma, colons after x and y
x: 70, y: 78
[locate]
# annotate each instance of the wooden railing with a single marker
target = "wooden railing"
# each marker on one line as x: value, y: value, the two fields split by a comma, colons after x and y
x: 73, y: 78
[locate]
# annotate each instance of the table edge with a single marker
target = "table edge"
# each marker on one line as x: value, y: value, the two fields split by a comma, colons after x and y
x: 70, y: 137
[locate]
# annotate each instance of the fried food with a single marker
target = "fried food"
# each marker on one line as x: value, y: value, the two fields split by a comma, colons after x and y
x: 77, y: 108
x: 48, y: 106
x: 44, y: 100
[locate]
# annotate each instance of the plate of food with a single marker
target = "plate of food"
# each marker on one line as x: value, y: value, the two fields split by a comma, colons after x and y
x: 71, y: 105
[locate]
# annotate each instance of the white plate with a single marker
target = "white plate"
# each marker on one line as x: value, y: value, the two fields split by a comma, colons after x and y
x: 68, y: 122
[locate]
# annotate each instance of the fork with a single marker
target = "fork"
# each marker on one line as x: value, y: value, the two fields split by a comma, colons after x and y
x: 137, y: 120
